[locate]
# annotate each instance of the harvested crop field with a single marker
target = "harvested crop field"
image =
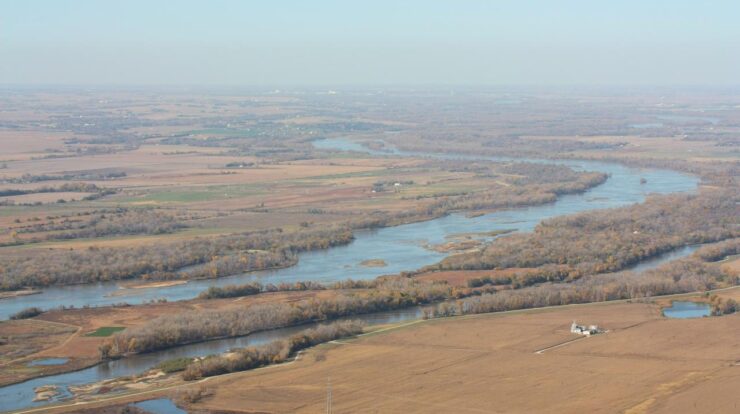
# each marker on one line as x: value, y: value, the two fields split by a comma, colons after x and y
x: 489, y: 363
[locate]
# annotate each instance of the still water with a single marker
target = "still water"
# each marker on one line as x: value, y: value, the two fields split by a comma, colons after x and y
x: 21, y: 395
x: 683, y: 310
x: 401, y: 247
x: 160, y: 406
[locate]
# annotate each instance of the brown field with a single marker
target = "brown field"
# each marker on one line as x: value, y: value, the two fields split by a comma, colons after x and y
x: 180, y: 153
x: 45, y: 198
x: 488, y: 363
x: 194, y: 179
x: 25, y: 340
x: 17, y: 145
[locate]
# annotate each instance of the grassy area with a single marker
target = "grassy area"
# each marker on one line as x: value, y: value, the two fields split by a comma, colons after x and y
x: 359, y: 174
x: 105, y: 331
x: 189, y: 195
x: 174, y: 365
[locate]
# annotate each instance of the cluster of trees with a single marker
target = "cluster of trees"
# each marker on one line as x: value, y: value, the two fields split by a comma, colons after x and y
x: 489, y: 280
x: 220, y: 266
x: 172, y: 330
x: 254, y: 288
x: 251, y: 251
x: 96, y: 191
x: 93, y: 175
x: 27, y: 313
x: 271, y: 353
x: 610, y: 240
x: 514, y: 196
x: 101, y: 223
x: 527, y: 173
x: 524, y: 184
x: 64, y: 188
x: 500, y: 143
x: 722, y: 306
x: 680, y: 276
x: 231, y: 291
x: 500, y: 197
x: 718, y: 251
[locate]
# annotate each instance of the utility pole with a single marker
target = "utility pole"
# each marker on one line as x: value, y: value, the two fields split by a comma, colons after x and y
x: 328, y: 395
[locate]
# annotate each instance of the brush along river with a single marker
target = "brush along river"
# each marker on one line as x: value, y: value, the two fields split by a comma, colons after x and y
x: 400, y: 247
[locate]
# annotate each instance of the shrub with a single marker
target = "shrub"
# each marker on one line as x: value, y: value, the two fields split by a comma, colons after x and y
x: 27, y: 313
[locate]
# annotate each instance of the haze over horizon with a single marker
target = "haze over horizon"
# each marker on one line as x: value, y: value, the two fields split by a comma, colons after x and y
x: 374, y: 43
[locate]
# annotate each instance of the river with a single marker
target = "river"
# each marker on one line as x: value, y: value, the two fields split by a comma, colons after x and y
x: 400, y: 247
x: 21, y: 395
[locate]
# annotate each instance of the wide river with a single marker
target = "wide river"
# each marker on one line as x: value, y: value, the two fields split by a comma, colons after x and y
x: 401, y: 248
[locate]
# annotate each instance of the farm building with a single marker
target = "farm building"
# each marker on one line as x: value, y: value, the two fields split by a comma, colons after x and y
x: 585, y: 330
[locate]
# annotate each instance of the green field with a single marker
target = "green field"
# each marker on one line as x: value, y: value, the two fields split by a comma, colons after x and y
x: 106, y: 331
x: 197, y: 194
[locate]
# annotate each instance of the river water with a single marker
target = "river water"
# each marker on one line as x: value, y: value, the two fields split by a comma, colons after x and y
x: 400, y: 247
x: 21, y: 395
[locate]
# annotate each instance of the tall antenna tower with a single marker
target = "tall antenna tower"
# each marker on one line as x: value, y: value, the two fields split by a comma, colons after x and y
x: 328, y: 395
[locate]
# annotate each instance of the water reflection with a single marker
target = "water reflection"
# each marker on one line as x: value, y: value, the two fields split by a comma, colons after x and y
x: 21, y: 395
x: 684, y: 310
x: 401, y: 247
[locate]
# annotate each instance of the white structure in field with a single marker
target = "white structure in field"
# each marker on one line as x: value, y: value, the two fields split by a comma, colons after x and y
x: 585, y: 330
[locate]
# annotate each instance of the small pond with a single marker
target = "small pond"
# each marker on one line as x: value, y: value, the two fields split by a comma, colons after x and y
x: 159, y: 406
x: 48, y: 361
x: 683, y: 310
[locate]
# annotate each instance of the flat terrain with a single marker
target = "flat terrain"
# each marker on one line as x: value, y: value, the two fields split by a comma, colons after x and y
x: 71, y: 333
x: 109, y: 170
x: 488, y: 363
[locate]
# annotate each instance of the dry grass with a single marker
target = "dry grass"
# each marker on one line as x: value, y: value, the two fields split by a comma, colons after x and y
x: 88, y: 320
x: 63, y: 333
x: 45, y: 198
x: 487, y: 364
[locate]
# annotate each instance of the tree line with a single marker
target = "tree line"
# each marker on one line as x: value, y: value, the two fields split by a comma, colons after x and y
x: 173, y: 330
x: 221, y: 256
x: 609, y: 240
x: 256, y: 287
x: 678, y: 276
x: 719, y: 251
x: 234, y: 254
x: 100, y: 223
x: 274, y: 352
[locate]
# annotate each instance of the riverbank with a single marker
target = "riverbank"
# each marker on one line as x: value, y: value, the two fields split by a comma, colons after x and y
x: 17, y: 293
x: 82, y: 351
x: 402, y: 248
x: 606, y: 314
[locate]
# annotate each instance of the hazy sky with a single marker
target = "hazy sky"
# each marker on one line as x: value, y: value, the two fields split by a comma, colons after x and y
x: 315, y: 42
